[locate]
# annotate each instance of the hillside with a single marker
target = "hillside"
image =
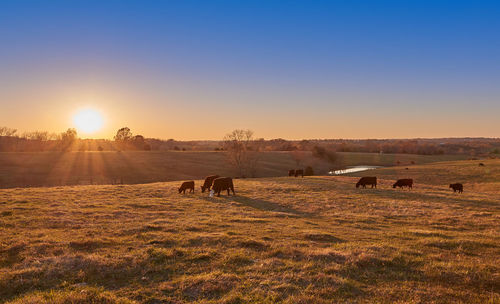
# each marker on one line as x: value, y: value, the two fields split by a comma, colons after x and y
x: 474, y: 177
x: 133, y: 167
x: 279, y: 240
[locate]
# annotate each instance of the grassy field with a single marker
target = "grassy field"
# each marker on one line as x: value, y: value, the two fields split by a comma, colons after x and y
x: 84, y: 168
x: 474, y: 177
x: 279, y: 240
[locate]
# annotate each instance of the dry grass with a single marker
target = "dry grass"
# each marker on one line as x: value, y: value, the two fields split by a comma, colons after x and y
x: 280, y: 240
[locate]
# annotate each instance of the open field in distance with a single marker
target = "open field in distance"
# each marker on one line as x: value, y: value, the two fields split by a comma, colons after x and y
x: 23, y: 169
x: 279, y: 240
x: 469, y: 173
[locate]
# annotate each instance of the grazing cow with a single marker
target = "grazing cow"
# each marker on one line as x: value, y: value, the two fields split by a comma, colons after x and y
x: 299, y: 172
x: 367, y: 180
x: 481, y: 165
x: 187, y: 186
x: 223, y: 183
x: 291, y: 172
x: 208, y: 182
x: 407, y: 182
x: 457, y: 187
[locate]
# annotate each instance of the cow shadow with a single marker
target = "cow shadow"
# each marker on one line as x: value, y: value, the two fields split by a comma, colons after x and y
x: 258, y: 204
x: 268, y: 206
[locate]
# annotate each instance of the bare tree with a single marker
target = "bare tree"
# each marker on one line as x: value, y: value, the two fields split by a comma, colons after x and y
x: 242, y: 151
x: 5, y: 131
x: 36, y: 135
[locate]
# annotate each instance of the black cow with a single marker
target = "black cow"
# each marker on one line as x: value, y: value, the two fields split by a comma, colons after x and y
x: 223, y: 183
x: 185, y: 186
x: 407, y: 182
x: 457, y: 187
x: 208, y: 182
x: 291, y: 172
x: 367, y: 180
x: 299, y: 172
x: 481, y: 165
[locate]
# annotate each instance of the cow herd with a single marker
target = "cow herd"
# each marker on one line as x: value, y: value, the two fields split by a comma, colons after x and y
x: 401, y: 183
x: 215, y: 184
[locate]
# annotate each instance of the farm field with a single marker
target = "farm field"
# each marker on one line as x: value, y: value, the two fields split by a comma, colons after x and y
x: 279, y: 240
x: 137, y: 167
x: 474, y: 177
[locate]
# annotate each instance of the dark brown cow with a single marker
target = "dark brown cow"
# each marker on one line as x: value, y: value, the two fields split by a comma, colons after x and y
x: 367, y: 180
x: 407, y: 182
x: 185, y: 186
x: 223, y: 183
x: 299, y: 172
x: 481, y: 165
x: 457, y: 187
x: 208, y: 182
x: 291, y: 172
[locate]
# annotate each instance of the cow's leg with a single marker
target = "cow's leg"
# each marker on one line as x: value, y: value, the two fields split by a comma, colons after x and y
x: 218, y: 193
x: 227, y: 191
x: 232, y: 188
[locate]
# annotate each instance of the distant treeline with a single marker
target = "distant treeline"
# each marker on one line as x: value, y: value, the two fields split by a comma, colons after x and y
x: 11, y: 141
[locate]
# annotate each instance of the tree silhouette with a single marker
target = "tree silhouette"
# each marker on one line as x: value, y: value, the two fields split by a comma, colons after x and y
x: 5, y: 131
x: 123, y: 135
x: 68, y: 138
x: 242, y: 151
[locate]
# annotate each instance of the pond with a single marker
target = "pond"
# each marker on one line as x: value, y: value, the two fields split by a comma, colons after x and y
x: 353, y: 169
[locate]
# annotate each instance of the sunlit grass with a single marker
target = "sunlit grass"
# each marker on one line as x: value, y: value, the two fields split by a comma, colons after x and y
x: 289, y: 240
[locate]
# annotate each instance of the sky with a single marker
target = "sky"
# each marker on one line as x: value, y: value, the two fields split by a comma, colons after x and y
x: 193, y: 70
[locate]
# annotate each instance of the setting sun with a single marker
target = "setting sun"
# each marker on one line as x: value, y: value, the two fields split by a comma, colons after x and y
x: 88, y: 121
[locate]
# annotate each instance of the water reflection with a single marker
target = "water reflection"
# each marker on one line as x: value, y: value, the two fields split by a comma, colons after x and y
x: 352, y: 170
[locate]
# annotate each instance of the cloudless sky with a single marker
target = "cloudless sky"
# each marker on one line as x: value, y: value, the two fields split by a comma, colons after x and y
x: 290, y: 69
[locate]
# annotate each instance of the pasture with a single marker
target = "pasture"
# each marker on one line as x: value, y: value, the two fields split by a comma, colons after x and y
x: 279, y: 240
x: 41, y: 169
x: 476, y: 178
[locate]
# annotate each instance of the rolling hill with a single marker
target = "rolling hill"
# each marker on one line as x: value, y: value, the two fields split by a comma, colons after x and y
x: 279, y: 240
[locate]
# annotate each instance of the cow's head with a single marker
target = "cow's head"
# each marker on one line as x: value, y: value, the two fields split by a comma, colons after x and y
x: 203, y: 189
x: 394, y: 186
x: 451, y: 185
x: 357, y: 185
x: 180, y: 189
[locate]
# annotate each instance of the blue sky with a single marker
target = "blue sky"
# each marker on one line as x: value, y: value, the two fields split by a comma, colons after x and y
x: 292, y: 69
